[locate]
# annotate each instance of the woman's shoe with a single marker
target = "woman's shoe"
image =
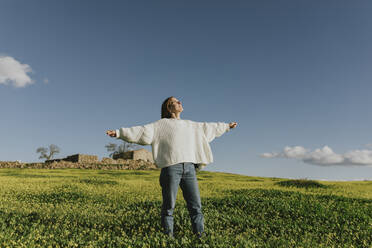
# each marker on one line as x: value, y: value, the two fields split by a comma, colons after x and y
x: 170, y: 235
x: 200, y: 235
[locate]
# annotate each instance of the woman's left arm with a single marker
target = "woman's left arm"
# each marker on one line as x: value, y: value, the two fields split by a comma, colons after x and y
x: 213, y: 130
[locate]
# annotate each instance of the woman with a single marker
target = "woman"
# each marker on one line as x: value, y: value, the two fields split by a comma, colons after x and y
x: 178, y: 147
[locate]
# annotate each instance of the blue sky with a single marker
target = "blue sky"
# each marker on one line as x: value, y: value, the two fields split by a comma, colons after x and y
x: 295, y: 76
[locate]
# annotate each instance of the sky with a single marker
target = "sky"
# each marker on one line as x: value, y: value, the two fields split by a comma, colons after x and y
x: 295, y: 75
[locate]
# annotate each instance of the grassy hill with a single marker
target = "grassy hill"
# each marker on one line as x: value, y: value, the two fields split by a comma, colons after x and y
x: 109, y: 208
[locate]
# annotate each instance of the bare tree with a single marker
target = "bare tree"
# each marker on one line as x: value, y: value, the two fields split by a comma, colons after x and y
x: 48, y: 153
x: 116, y: 149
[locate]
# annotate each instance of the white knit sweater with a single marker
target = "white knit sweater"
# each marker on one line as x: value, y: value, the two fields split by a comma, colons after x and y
x: 175, y: 140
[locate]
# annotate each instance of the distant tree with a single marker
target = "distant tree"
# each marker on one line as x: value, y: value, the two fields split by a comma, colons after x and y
x: 48, y: 153
x: 116, y: 149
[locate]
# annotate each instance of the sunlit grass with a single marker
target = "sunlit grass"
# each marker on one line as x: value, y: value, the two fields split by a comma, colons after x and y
x: 121, y: 208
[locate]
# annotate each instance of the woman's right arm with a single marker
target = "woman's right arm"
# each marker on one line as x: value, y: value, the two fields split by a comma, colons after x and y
x: 142, y: 135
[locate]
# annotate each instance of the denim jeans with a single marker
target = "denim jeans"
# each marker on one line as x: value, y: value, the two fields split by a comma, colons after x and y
x: 182, y: 174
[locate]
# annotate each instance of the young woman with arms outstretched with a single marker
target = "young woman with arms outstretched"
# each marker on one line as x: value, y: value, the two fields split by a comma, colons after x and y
x: 178, y: 147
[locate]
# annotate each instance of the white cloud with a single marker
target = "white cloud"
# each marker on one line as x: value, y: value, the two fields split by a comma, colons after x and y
x: 294, y: 152
x: 270, y: 155
x: 360, y: 157
x: 369, y: 146
x: 12, y: 71
x: 323, y: 156
x: 288, y: 152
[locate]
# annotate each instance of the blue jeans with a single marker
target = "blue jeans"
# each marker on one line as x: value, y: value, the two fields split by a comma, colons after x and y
x: 182, y: 174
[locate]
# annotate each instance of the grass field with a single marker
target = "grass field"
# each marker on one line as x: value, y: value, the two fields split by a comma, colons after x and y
x: 102, y: 208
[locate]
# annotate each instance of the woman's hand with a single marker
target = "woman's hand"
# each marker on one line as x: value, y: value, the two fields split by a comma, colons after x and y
x: 111, y: 133
x: 233, y: 124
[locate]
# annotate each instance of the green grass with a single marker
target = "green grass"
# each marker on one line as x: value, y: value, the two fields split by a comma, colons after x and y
x: 102, y: 208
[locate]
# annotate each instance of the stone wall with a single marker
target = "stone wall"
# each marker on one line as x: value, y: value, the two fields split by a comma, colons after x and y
x: 143, y: 154
x: 123, y: 155
x: 76, y: 158
x: 82, y: 158
x: 119, y: 164
x: 141, y: 159
x: 53, y: 160
x: 136, y: 155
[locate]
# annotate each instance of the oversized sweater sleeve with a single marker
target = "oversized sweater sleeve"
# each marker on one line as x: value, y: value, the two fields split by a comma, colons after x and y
x: 213, y: 130
x: 142, y: 135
